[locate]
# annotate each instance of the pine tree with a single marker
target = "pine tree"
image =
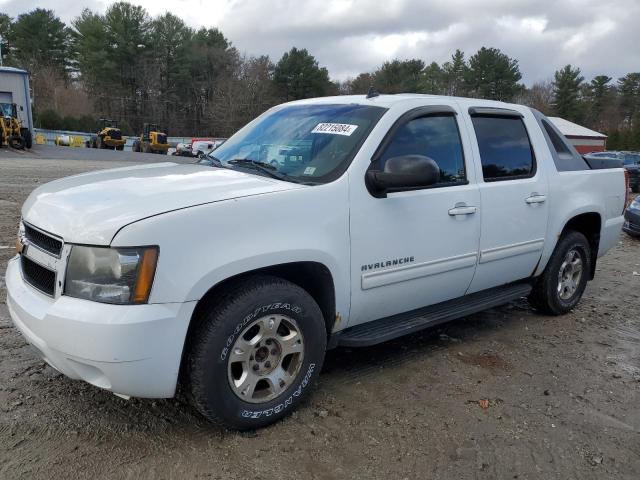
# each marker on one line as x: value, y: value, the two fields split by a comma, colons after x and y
x: 454, y: 74
x: 629, y: 91
x: 493, y: 75
x: 297, y: 75
x: 432, y: 80
x: 566, y: 90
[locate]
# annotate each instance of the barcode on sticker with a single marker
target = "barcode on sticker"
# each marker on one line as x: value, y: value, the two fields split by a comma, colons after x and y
x: 335, y: 128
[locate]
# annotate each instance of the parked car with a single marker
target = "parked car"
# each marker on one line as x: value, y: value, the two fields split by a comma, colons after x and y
x: 398, y: 213
x: 632, y: 218
x: 200, y: 148
x: 630, y: 161
x: 63, y: 140
x: 182, y: 150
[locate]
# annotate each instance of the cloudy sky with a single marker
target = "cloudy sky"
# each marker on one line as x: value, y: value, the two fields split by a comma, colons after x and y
x: 352, y: 36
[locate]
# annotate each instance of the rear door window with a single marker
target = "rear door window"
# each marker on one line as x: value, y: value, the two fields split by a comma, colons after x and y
x: 505, y: 149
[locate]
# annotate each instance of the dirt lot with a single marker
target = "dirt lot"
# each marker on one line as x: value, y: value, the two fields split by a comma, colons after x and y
x: 562, y: 394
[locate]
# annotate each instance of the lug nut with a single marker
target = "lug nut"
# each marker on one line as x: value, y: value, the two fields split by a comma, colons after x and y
x: 268, y: 342
x: 255, y: 367
x: 273, y: 351
x: 267, y: 364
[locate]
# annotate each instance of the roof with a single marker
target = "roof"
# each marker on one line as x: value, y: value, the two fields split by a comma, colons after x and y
x: 413, y: 99
x: 13, y: 70
x: 570, y: 129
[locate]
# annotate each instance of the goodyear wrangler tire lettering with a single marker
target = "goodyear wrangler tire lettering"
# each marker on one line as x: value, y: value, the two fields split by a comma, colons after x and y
x: 282, y: 406
x: 231, y: 337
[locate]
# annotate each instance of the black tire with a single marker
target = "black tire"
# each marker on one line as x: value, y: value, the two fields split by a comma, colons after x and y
x: 545, y: 295
x: 16, y: 142
x: 120, y: 147
x: 215, y: 334
x: 28, y: 138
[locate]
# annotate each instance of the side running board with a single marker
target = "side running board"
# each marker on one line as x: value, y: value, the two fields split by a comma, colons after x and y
x: 388, y: 328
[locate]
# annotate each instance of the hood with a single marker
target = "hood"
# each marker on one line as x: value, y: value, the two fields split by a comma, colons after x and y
x: 91, y: 207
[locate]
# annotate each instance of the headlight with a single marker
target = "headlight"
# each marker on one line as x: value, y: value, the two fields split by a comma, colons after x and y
x: 111, y: 275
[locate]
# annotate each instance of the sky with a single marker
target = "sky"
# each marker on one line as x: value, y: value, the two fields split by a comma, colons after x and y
x: 353, y: 36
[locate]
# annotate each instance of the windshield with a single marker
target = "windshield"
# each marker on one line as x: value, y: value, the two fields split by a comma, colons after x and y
x: 300, y: 143
x: 6, y: 109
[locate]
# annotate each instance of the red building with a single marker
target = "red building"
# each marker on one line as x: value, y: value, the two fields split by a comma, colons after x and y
x: 583, y: 139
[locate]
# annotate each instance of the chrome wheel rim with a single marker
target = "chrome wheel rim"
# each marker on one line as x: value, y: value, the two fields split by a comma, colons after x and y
x: 265, y: 358
x: 570, y: 274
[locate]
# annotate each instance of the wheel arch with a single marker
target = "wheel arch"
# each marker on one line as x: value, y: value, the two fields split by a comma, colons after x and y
x: 590, y: 225
x: 313, y: 277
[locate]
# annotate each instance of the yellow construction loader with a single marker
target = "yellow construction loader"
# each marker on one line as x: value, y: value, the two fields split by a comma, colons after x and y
x: 109, y: 136
x: 12, y: 133
x: 152, y: 140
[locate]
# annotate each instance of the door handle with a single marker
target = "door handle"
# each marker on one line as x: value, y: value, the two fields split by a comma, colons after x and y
x: 462, y: 209
x: 535, y: 198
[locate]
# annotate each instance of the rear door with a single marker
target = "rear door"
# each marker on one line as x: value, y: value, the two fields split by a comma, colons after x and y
x: 513, y: 192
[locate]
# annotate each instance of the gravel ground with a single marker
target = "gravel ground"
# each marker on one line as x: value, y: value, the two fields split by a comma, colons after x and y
x: 503, y: 394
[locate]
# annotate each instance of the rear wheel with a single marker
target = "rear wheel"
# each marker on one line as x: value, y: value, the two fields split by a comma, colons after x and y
x: 26, y: 135
x: 564, y: 280
x: 254, y: 355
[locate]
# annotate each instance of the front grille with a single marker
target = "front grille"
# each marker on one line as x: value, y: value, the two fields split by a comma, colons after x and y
x: 43, y: 241
x: 162, y: 139
x: 38, y: 276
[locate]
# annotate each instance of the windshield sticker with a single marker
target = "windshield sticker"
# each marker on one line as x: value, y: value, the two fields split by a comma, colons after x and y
x: 335, y: 128
x: 309, y: 170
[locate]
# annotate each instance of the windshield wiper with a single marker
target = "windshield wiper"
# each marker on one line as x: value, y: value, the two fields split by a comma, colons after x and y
x: 211, y: 159
x: 262, y: 167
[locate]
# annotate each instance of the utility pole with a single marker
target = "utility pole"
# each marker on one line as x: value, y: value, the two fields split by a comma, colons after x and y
x: 0, y: 50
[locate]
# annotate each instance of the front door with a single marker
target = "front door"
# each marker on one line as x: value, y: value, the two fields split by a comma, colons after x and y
x: 418, y: 247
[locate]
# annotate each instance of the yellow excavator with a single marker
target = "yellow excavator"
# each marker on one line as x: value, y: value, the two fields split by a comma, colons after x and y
x: 152, y: 140
x: 109, y: 136
x: 12, y: 133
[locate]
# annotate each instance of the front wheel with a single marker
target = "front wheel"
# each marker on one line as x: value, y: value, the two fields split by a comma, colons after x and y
x: 254, y: 355
x: 564, y: 280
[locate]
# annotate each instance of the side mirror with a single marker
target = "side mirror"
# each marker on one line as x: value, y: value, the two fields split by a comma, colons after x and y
x: 401, y: 173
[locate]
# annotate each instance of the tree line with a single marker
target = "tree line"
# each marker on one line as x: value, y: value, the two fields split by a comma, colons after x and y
x: 128, y: 66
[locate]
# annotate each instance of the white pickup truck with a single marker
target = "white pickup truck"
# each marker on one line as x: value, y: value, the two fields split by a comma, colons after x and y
x: 380, y: 216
